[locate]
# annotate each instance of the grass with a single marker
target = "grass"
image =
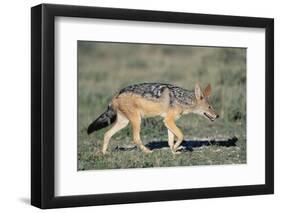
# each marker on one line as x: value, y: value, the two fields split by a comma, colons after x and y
x: 105, y: 68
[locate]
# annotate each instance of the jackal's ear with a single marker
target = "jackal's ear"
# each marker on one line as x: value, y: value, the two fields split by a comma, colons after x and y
x: 198, y: 92
x: 207, y: 91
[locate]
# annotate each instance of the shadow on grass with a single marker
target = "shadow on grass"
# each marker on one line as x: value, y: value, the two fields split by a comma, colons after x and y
x: 187, y: 145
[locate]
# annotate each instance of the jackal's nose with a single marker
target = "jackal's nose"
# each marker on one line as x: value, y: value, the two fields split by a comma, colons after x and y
x: 217, y: 116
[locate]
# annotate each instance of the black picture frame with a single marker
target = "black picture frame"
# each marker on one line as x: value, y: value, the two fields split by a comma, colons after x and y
x: 43, y: 105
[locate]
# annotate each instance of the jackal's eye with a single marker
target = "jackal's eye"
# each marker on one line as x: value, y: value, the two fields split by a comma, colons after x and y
x: 209, y: 107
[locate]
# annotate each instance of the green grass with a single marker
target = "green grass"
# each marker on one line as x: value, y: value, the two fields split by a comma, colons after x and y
x: 105, y: 68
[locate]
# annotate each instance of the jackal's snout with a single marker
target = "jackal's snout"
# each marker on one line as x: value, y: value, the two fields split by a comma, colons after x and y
x: 209, y: 112
x: 211, y: 115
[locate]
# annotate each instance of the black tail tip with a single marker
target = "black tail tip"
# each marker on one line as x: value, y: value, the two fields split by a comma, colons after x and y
x: 90, y: 130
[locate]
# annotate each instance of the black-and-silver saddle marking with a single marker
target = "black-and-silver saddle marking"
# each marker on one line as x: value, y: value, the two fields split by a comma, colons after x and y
x: 155, y: 90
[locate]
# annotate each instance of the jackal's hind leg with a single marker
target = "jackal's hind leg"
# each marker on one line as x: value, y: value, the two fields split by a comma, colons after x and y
x: 121, y: 122
x: 136, y: 124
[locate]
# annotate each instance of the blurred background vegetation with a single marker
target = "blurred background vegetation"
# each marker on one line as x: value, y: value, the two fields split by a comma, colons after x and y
x: 105, y: 68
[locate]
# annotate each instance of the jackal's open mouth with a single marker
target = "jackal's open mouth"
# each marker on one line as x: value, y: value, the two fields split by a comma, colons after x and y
x: 208, y: 116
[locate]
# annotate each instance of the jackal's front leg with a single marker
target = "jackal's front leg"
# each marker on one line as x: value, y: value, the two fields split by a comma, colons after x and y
x: 170, y: 124
x: 171, y: 140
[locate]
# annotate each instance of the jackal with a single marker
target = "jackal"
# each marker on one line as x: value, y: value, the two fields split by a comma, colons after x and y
x: 134, y: 102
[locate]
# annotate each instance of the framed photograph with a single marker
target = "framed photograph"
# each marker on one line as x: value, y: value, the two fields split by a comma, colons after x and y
x: 139, y: 106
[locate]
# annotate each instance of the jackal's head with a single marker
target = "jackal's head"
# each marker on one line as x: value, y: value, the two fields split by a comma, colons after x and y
x: 202, y: 106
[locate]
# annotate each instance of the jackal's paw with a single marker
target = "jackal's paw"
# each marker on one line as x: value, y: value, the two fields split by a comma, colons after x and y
x: 180, y: 148
x: 176, y: 152
x: 146, y: 150
x: 104, y: 152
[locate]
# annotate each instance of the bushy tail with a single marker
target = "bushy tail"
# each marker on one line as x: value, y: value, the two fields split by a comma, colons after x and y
x: 104, y: 120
